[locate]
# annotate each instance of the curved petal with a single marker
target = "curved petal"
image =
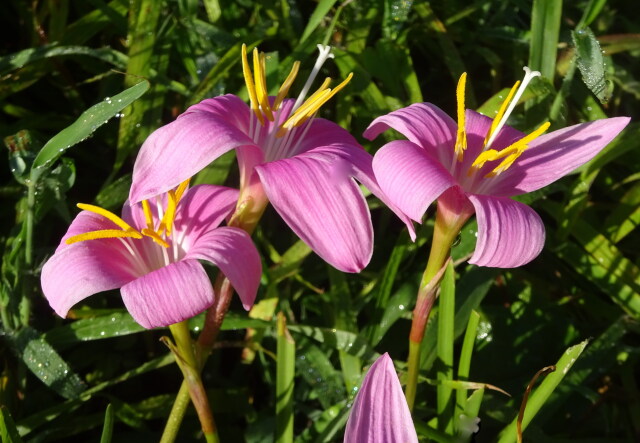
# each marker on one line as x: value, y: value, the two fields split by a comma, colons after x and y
x: 380, y: 413
x: 177, y: 151
x: 82, y: 269
x: 358, y: 164
x: 422, y: 123
x: 410, y: 177
x: 318, y: 199
x: 168, y: 295
x: 552, y: 156
x: 233, y: 252
x: 510, y: 234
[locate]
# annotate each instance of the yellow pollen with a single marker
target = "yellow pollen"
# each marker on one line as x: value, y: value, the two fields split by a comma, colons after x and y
x: 501, y: 111
x: 251, y: 89
x: 315, y: 102
x: 106, y: 214
x: 155, y: 237
x: 167, y: 220
x: 284, y: 89
x: 260, y: 78
x: 148, y: 216
x: 461, y: 137
x: 105, y: 233
x: 181, y: 188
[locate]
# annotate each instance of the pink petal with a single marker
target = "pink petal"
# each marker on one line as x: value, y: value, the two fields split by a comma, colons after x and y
x: 318, y: 199
x: 422, y: 123
x: 203, y: 208
x: 324, y: 133
x: 554, y: 155
x: 82, y: 269
x: 380, y: 413
x: 410, y: 177
x: 168, y: 295
x: 510, y: 234
x: 177, y: 151
x: 233, y: 252
x: 358, y: 164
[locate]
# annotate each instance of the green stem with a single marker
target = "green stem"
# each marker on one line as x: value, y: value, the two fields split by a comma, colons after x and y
x: 188, y: 362
x: 251, y: 205
x: 453, y: 212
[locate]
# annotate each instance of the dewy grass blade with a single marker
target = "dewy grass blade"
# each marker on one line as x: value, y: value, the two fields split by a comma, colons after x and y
x: 543, y: 392
x: 84, y: 126
x: 446, y: 315
x: 286, y: 364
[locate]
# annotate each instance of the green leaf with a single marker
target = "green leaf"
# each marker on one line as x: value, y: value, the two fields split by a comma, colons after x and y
x: 321, y: 11
x: 20, y: 59
x: 8, y: 431
x: 446, y: 315
x: 545, y: 32
x: 544, y: 391
x: 285, y: 369
x: 84, y: 126
x: 95, y: 328
x: 590, y: 62
x: 107, y: 429
x: 46, y: 363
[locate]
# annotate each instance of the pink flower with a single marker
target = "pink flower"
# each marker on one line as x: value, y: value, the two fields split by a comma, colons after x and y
x: 477, y: 165
x: 380, y: 413
x: 304, y: 166
x: 152, y: 254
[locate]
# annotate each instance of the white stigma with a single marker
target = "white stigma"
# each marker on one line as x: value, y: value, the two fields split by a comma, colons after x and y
x: 528, y: 76
x: 325, y: 53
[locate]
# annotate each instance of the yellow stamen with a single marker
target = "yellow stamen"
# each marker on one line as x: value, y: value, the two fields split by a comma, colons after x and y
x: 501, y: 111
x: 284, y: 89
x: 260, y: 78
x: 314, y: 103
x: 106, y: 214
x: 487, y: 156
x: 105, y: 233
x: 181, y: 188
x: 461, y: 137
x: 251, y: 89
x: 148, y: 216
x: 155, y: 237
x: 167, y: 219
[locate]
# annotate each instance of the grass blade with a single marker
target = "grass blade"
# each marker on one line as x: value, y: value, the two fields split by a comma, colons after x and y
x: 286, y: 364
x: 107, y: 429
x: 545, y: 31
x: 446, y: 317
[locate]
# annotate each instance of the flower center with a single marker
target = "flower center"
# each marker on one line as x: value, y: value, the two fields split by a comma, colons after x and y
x: 509, y: 154
x: 160, y: 234
x: 276, y: 145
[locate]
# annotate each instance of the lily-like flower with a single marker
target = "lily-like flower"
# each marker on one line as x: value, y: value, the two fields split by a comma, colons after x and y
x: 304, y: 166
x: 380, y: 413
x: 478, y: 164
x: 152, y: 254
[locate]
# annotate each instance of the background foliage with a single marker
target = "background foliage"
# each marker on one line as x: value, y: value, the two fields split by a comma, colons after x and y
x: 59, y: 57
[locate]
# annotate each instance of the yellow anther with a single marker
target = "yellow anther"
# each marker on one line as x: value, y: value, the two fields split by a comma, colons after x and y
x: 314, y: 103
x: 106, y: 214
x: 486, y: 156
x: 510, y: 153
x: 284, y: 89
x: 155, y: 237
x: 181, y: 188
x: 105, y: 233
x: 167, y: 219
x: 501, y: 111
x: 260, y: 78
x: 148, y: 216
x: 461, y: 137
x: 251, y: 89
